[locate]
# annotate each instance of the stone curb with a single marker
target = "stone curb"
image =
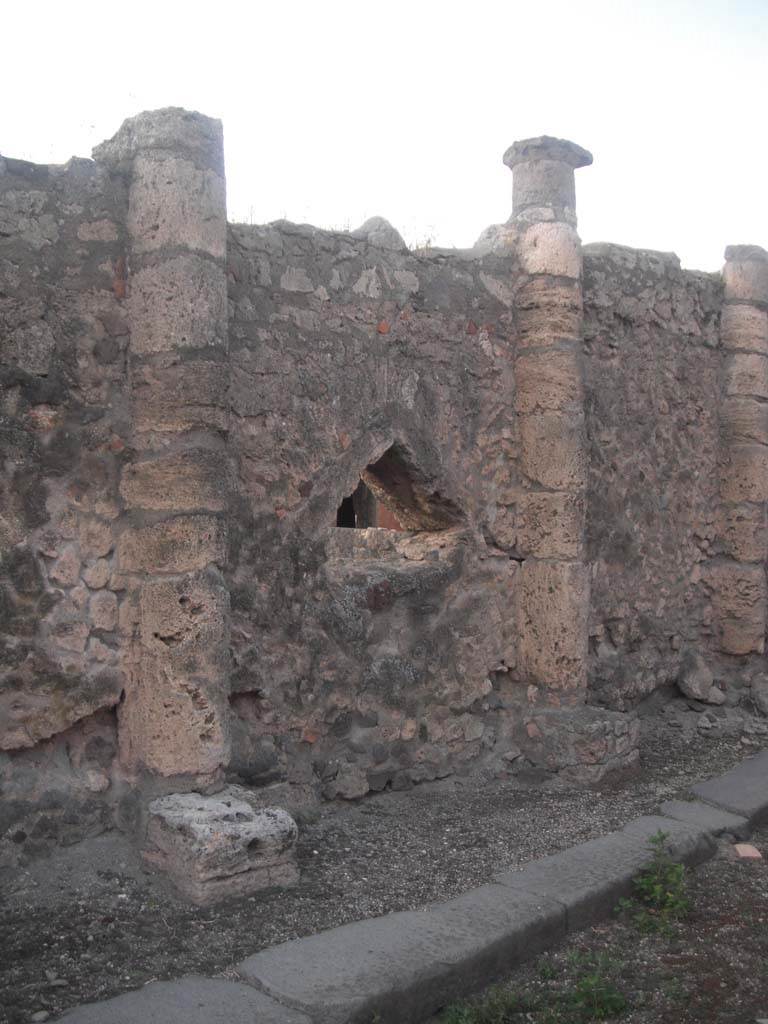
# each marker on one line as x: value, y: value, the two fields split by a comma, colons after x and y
x: 403, y: 967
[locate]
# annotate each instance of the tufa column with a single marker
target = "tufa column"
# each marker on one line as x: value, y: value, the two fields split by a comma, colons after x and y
x: 552, y: 597
x: 739, y: 584
x: 172, y: 548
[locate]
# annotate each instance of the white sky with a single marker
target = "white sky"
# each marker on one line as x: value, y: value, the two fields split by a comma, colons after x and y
x: 334, y: 111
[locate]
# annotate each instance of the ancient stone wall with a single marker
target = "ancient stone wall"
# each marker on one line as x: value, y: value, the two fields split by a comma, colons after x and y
x: 373, y: 655
x: 63, y: 425
x: 652, y: 377
x: 571, y: 440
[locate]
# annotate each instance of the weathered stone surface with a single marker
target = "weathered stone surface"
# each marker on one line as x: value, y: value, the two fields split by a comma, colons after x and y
x: 34, y: 708
x: 184, y: 482
x: 759, y: 693
x: 173, y: 720
x: 401, y: 968
x: 178, y: 304
x: 172, y: 202
x: 188, y: 1001
x: 170, y: 128
x: 551, y: 606
x: 212, y: 847
x: 102, y: 609
x: 745, y: 421
x: 379, y: 232
x: 551, y: 524
x: 746, y: 273
x: 696, y: 680
x: 589, y: 879
x: 579, y: 743
x: 706, y: 817
x: 550, y: 248
x: 744, y: 327
x: 742, y: 790
x: 552, y: 450
x: 745, y: 475
x: 746, y: 374
x: 548, y: 381
x: 182, y: 544
x: 739, y: 599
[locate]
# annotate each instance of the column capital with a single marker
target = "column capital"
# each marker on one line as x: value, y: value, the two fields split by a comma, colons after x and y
x: 546, y: 147
x: 543, y: 185
x: 168, y: 130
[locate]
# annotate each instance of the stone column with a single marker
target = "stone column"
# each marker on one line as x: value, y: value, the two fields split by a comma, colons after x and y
x: 552, y: 597
x: 739, y: 583
x: 172, y: 547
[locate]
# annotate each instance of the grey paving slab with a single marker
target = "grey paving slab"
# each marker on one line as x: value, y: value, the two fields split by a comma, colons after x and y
x: 588, y: 880
x: 191, y: 1000
x: 686, y: 842
x: 705, y: 816
x: 742, y: 790
x: 401, y: 968
x: 591, y: 878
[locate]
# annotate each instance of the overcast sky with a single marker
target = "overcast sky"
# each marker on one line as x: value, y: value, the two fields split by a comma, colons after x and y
x: 334, y: 111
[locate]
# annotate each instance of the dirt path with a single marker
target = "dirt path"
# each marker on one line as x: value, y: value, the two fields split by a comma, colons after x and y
x: 89, y: 923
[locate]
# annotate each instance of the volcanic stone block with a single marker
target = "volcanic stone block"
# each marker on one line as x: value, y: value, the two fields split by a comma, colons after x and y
x: 180, y: 303
x: 550, y: 248
x: 173, y: 203
x: 745, y: 476
x: 550, y: 524
x: 177, y: 545
x: 746, y: 375
x: 552, y: 450
x: 739, y: 600
x: 549, y: 380
x: 552, y: 601
x: 583, y: 744
x: 744, y: 327
x: 745, y: 421
x: 182, y: 481
x: 103, y: 610
x: 212, y: 847
x: 746, y: 273
x: 173, y: 721
x: 182, y: 615
x: 743, y: 531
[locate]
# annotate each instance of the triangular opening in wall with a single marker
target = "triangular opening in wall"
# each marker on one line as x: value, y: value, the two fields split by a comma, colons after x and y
x: 394, y: 494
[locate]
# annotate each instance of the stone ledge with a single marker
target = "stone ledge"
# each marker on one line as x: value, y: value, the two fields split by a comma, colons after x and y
x: 404, y: 966
x: 711, y: 819
x: 743, y: 790
x: 191, y: 1000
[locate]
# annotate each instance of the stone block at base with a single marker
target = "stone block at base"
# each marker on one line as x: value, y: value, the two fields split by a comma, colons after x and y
x: 214, y: 847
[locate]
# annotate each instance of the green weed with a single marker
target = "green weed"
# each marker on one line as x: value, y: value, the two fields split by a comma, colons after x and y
x: 659, y: 891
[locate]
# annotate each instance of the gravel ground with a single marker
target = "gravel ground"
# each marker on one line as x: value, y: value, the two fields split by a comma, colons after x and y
x: 88, y: 923
x: 713, y: 967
